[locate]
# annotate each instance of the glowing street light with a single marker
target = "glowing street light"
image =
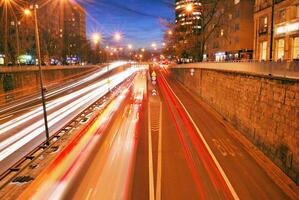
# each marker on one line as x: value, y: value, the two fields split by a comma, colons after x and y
x: 189, y: 8
x: 143, y: 50
x: 130, y: 46
x: 154, y: 45
x: 27, y: 12
x: 96, y: 38
x: 169, y: 32
x: 117, y: 36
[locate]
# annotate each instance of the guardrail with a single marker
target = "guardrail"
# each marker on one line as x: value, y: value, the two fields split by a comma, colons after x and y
x: 6, y: 69
x: 285, y: 69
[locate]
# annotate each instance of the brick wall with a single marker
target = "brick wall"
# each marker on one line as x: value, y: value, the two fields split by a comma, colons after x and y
x: 265, y: 110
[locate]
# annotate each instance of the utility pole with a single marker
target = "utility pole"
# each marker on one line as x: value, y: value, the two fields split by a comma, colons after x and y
x: 272, y: 30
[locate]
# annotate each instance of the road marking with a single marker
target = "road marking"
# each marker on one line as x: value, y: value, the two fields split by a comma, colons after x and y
x: 229, y: 185
x: 6, y: 117
x: 159, y: 163
x: 150, y: 157
x: 89, y: 194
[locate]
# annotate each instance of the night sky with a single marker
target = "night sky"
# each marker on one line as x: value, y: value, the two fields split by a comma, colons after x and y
x: 139, y: 21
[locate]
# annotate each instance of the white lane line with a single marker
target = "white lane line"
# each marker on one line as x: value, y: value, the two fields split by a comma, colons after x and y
x: 229, y: 185
x: 150, y: 158
x: 6, y: 117
x: 89, y: 194
x: 159, y: 163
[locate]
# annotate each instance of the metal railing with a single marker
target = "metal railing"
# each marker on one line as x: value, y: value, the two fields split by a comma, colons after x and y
x: 285, y: 69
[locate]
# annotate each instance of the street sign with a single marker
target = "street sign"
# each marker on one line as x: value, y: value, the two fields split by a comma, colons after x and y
x: 154, y: 74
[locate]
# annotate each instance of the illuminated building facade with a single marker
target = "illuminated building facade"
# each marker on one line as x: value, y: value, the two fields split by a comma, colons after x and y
x: 74, y: 33
x: 285, y: 31
x: 188, y: 15
x: 233, y: 40
x: 62, y: 32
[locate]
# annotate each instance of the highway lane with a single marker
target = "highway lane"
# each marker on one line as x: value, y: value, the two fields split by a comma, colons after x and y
x: 171, y: 157
x: 20, y: 135
x: 20, y: 106
x: 84, y: 169
x: 247, y: 177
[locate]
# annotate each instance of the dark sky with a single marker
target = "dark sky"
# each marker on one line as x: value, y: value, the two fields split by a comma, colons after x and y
x: 139, y: 21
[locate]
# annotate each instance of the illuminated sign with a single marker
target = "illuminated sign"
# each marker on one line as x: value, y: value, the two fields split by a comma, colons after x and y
x: 287, y: 28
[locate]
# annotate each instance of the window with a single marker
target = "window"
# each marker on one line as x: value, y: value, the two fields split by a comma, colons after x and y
x: 222, y: 32
x: 297, y: 10
x: 237, y: 13
x: 280, y: 49
x: 263, y: 50
x: 263, y: 26
x: 237, y: 1
x: 282, y: 15
x: 296, y: 48
x: 237, y: 27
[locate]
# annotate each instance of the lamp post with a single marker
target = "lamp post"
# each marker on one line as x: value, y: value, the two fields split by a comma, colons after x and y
x: 117, y: 37
x: 96, y: 40
x: 38, y: 52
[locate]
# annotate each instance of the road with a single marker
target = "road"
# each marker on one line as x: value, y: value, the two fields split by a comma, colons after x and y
x: 197, y: 154
x: 84, y: 169
x: 169, y: 145
x: 23, y: 131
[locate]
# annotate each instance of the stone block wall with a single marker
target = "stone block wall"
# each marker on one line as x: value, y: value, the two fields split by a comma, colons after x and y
x: 264, y: 109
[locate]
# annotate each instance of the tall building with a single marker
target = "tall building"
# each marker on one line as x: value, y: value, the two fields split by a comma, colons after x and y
x: 187, y: 29
x: 285, y: 43
x: 61, y: 26
x: 233, y: 40
x: 188, y: 15
x: 75, y: 33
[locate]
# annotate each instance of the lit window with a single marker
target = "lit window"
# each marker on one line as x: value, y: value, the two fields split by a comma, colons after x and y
x: 280, y: 49
x: 296, y: 48
x: 222, y: 32
x: 237, y: 1
x: 263, y: 50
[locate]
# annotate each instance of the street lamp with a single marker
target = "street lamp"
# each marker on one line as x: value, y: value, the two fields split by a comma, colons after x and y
x: 169, y: 32
x: 117, y: 36
x: 130, y: 46
x: 96, y: 38
x: 189, y: 8
x: 27, y: 12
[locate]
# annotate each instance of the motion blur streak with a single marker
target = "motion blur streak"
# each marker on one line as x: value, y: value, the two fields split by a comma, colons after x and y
x: 22, y: 137
x: 95, y: 75
x: 205, y: 157
x: 115, y: 163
